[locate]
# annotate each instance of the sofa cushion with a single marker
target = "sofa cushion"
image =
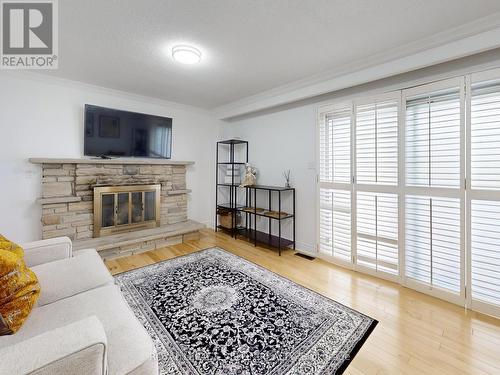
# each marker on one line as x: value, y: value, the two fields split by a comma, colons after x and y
x: 67, y: 277
x: 19, y: 287
x: 129, y: 345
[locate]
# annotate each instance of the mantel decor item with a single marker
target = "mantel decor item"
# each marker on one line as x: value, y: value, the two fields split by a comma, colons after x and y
x: 286, y: 174
x: 250, y: 176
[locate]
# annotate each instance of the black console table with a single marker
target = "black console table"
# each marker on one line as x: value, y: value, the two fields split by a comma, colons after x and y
x: 253, y: 212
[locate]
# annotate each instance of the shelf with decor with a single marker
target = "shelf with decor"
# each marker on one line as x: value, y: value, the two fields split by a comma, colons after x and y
x: 231, y: 157
x: 243, y: 212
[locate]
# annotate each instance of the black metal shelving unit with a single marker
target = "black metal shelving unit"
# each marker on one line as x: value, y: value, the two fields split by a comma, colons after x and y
x: 230, y: 147
x: 251, y: 210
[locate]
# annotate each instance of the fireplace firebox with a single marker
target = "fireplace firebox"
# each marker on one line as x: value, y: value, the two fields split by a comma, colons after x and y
x: 125, y: 208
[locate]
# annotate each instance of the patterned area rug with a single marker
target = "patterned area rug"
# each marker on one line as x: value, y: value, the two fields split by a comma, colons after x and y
x: 212, y: 312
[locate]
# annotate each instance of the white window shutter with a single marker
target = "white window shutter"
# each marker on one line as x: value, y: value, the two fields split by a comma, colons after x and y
x: 485, y: 251
x: 485, y: 194
x: 377, y: 231
x: 432, y: 133
x: 485, y: 136
x: 432, y: 241
x: 335, y: 147
x: 335, y: 224
x: 377, y: 143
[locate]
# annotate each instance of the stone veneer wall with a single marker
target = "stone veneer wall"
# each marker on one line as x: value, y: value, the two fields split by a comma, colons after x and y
x: 67, y: 194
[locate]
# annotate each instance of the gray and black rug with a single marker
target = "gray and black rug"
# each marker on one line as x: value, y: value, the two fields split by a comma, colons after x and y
x: 212, y: 312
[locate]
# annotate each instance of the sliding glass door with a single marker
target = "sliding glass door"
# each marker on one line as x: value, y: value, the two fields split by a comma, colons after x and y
x: 409, y: 188
x: 434, y: 205
x: 483, y: 195
x: 358, y: 185
x: 334, y: 184
x: 375, y: 185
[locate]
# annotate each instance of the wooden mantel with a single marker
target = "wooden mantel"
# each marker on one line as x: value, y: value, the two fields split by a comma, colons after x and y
x: 123, y: 161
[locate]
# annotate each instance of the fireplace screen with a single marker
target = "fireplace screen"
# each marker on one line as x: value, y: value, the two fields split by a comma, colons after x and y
x: 125, y: 208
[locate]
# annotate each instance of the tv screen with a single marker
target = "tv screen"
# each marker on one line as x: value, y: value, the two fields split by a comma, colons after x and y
x: 110, y: 132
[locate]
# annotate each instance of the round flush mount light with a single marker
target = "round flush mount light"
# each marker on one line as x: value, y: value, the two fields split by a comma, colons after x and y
x: 186, y: 54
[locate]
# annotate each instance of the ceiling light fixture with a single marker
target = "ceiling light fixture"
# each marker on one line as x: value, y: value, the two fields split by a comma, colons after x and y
x: 186, y: 54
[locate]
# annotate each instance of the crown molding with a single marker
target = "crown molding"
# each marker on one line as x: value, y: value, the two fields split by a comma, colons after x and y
x: 79, y: 85
x: 469, y: 39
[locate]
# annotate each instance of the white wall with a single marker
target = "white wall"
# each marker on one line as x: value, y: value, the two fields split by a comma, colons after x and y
x: 43, y: 117
x: 285, y: 137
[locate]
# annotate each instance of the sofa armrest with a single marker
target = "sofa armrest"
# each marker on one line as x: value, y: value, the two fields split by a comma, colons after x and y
x: 44, y: 251
x: 78, y: 348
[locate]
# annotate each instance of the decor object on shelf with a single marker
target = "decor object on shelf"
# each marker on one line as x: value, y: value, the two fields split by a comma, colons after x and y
x: 253, y: 209
x: 19, y: 287
x: 232, y: 174
x: 304, y: 330
x: 276, y: 214
x: 226, y: 220
x: 250, y: 176
x: 286, y: 174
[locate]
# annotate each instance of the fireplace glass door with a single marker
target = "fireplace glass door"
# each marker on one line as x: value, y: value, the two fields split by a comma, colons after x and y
x: 108, y: 210
x: 137, y: 207
x: 125, y: 208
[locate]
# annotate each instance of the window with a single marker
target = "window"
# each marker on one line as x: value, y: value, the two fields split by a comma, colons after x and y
x: 377, y: 231
x: 432, y: 242
x: 409, y: 188
x: 484, y: 193
x: 335, y: 146
x: 485, y: 135
x: 485, y: 256
x: 434, y: 194
x: 367, y: 205
x: 335, y: 224
x: 377, y: 143
x: 335, y: 177
x: 375, y: 186
x: 433, y: 139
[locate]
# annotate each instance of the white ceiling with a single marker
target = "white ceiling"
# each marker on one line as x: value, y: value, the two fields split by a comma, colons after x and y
x: 249, y: 46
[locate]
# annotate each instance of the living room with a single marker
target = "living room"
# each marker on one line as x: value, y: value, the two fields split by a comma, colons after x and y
x: 250, y: 187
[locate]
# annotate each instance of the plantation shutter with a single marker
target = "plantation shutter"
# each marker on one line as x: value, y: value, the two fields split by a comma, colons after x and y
x: 335, y: 224
x: 485, y: 193
x: 485, y: 251
x: 433, y: 139
x: 377, y: 143
x: 434, y: 193
x: 485, y: 136
x: 377, y: 231
x: 335, y: 180
x: 432, y: 241
x: 335, y: 147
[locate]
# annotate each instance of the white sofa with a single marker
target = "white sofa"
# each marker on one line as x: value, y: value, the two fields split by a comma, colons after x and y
x: 81, y: 324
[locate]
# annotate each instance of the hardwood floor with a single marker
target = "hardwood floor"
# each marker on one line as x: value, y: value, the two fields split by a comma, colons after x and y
x: 416, y: 334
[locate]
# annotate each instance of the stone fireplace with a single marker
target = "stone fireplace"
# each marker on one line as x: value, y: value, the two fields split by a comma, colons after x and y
x: 102, y: 203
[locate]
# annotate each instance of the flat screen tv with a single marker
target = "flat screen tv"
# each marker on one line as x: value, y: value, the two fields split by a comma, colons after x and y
x: 114, y: 133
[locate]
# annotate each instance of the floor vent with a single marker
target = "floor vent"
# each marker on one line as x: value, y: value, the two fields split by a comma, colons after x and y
x: 305, y: 256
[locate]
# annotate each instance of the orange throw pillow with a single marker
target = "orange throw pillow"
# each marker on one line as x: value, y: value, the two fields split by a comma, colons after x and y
x: 19, y: 287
